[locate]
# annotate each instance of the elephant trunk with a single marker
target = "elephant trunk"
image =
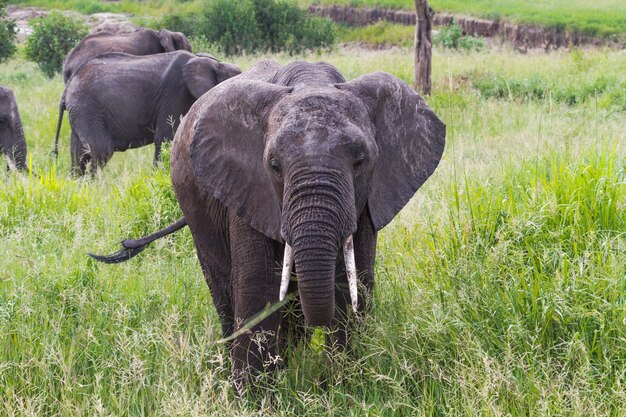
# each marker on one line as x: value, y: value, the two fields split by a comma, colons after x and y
x: 319, y: 215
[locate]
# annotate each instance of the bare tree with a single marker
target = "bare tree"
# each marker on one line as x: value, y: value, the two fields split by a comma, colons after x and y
x: 423, y: 46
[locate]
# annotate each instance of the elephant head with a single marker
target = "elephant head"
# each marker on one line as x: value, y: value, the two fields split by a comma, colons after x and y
x: 204, y: 72
x: 302, y: 157
x: 12, y: 142
x: 173, y: 41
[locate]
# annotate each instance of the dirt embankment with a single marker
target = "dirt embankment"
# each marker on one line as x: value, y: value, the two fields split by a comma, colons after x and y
x: 111, y: 22
x: 520, y: 35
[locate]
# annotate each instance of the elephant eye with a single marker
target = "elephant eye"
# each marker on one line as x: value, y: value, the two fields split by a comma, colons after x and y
x: 358, y: 163
x: 276, y: 167
x: 3, y: 123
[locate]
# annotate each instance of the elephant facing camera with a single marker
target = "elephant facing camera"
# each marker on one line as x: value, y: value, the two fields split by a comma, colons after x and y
x: 285, y: 175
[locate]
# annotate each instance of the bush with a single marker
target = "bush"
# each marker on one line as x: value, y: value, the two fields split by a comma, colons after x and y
x: 52, y: 38
x: 285, y: 26
x: 188, y: 24
x: 232, y: 26
x: 246, y: 26
x: 452, y: 37
x: 7, y: 34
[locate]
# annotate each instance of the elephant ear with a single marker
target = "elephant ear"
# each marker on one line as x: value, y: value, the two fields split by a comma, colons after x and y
x: 181, y: 43
x: 167, y: 40
x: 200, y: 75
x: 227, y: 151
x: 410, y: 139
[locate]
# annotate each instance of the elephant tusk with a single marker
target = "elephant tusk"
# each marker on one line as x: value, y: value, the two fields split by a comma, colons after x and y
x: 287, y: 266
x: 348, y: 256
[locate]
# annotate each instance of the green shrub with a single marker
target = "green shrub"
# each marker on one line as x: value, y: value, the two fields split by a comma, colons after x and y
x: 7, y: 34
x: 188, y: 24
x: 53, y: 37
x: 232, y: 26
x: 285, y: 26
x: 236, y: 27
x: 452, y: 37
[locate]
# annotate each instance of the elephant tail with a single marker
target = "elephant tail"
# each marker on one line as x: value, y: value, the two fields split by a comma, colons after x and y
x: 132, y: 247
x: 56, y: 138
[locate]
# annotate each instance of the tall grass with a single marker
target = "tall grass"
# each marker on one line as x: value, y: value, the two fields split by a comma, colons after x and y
x: 500, y: 287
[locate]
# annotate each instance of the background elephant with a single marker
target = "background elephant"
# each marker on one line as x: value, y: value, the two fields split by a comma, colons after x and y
x: 12, y: 142
x: 140, y: 42
x: 118, y: 101
x: 288, y: 165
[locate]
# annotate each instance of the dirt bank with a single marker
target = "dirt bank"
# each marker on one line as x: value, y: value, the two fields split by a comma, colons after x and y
x: 97, y: 22
x: 520, y: 35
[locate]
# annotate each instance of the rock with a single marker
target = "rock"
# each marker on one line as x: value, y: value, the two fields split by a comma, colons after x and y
x: 97, y: 22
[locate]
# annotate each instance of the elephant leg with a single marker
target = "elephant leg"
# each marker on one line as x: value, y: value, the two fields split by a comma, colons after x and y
x: 364, y: 254
x: 207, y: 220
x: 256, y: 283
x: 95, y: 140
x: 101, y: 151
x: 80, y: 155
x: 293, y: 328
x: 164, y: 133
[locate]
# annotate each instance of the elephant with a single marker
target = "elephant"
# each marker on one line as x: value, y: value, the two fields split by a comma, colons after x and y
x: 12, y: 141
x: 118, y: 101
x: 295, y: 166
x: 143, y: 41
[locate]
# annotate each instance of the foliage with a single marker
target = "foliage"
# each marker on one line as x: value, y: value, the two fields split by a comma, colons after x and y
x: 451, y: 36
x: 53, y: 37
x: 187, y: 23
x: 232, y: 26
x: 7, y: 34
x: 237, y: 27
x: 247, y: 26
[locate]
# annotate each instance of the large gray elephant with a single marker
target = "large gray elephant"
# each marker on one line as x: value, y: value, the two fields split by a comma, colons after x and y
x: 140, y: 42
x: 293, y: 166
x: 118, y: 101
x: 12, y: 142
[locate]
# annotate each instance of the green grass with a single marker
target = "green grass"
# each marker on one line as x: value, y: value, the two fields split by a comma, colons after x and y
x: 380, y: 34
x: 602, y: 17
x: 140, y: 9
x: 500, y: 289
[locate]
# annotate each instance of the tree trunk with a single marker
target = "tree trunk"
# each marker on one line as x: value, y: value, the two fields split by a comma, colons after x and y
x: 423, y: 46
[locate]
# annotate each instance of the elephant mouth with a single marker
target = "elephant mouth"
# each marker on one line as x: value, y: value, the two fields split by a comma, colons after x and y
x: 350, y: 263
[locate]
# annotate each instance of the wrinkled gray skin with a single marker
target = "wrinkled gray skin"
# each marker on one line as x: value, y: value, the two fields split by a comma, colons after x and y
x: 296, y: 154
x: 118, y: 101
x: 12, y: 142
x: 141, y: 42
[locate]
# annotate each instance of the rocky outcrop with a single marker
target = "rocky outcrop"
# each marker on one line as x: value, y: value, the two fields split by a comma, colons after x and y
x: 521, y: 35
x: 111, y: 22
x: 362, y: 16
